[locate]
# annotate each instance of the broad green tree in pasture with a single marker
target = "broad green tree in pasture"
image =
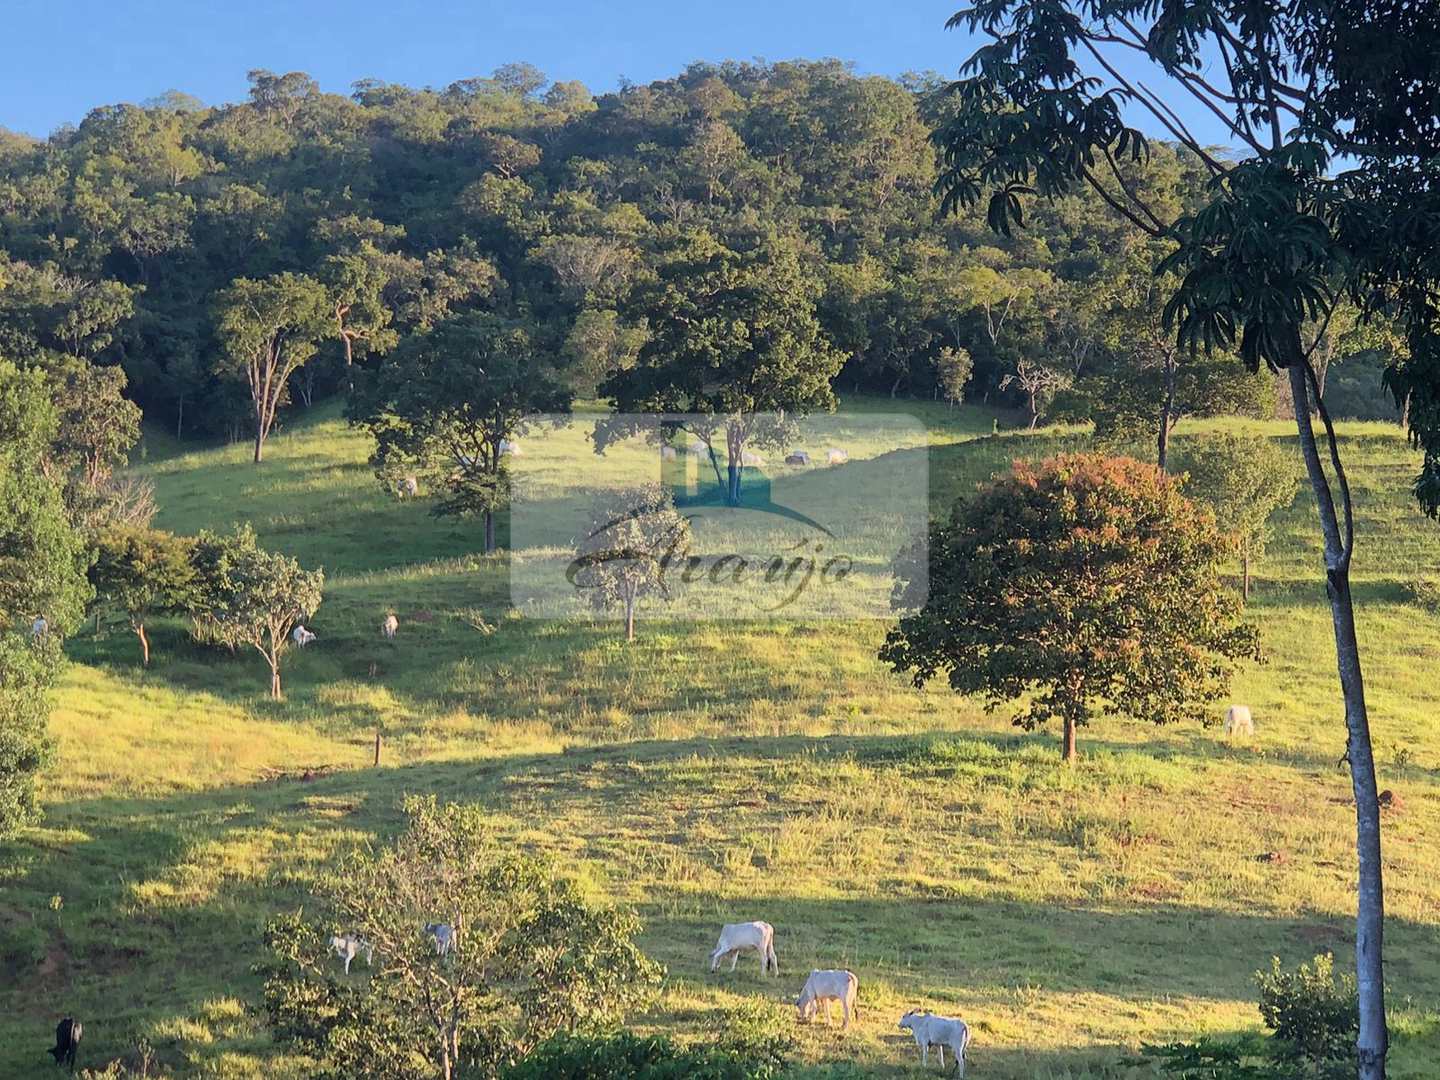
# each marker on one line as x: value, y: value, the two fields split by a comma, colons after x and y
x: 733, y: 336
x: 1083, y: 586
x: 142, y: 573
x: 446, y: 402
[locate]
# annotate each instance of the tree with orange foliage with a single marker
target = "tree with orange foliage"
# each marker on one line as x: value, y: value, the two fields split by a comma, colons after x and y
x: 1084, y: 585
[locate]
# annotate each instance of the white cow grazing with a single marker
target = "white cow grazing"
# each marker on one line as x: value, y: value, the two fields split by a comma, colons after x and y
x: 1238, y: 720
x: 443, y: 934
x: 509, y: 446
x: 350, y: 945
x: 836, y: 456
x: 390, y: 626
x: 301, y: 637
x: 39, y: 628
x: 408, y: 488
x: 825, y: 987
x: 736, y: 938
x: 930, y: 1030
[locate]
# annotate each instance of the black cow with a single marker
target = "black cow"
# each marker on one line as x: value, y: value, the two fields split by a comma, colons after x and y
x: 67, y: 1041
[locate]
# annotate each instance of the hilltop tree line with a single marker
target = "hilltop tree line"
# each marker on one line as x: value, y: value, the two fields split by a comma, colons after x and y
x: 235, y: 261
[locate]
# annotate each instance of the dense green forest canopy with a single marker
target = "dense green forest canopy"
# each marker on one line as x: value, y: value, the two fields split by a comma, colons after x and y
x: 535, y: 201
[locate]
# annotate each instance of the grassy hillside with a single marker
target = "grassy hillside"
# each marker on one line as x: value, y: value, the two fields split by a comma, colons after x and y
x: 716, y: 772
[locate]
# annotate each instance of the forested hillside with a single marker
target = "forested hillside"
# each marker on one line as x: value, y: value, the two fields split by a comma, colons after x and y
x: 543, y: 205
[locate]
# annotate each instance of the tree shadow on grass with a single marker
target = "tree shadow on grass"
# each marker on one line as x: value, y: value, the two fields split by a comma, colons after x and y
x: 163, y: 902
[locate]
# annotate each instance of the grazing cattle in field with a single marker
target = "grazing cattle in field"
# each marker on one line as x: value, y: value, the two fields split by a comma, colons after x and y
x: 39, y: 628
x: 797, y: 457
x: 508, y: 446
x: 1238, y: 720
x: 408, y: 488
x: 667, y: 453
x: 301, y: 637
x: 836, y: 456
x: 443, y: 934
x: 930, y: 1030
x: 67, y: 1042
x: 348, y: 946
x: 390, y: 626
x: 751, y: 459
x: 736, y: 938
x: 823, y: 987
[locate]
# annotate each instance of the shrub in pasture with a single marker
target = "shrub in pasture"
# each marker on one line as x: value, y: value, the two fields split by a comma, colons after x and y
x: 1425, y: 593
x: 246, y: 595
x: 1083, y: 585
x: 533, y: 957
x: 1313, y: 1016
x: 1312, y: 1011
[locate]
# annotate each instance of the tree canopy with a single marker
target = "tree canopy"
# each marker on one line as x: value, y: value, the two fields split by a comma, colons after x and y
x: 1083, y: 586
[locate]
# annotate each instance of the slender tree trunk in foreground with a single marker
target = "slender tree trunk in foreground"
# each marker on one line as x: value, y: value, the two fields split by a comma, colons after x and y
x: 259, y: 446
x: 489, y: 532
x: 144, y: 645
x: 629, y: 618
x: 1373, y: 1041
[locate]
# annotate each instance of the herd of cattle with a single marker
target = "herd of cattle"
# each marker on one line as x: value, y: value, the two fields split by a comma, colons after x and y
x: 826, y: 987
x: 822, y: 990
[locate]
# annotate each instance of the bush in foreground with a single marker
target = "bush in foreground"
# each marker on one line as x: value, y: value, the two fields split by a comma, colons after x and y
x: 532, y: 957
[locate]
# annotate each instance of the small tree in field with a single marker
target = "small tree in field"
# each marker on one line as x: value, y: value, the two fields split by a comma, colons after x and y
x: 142, y: 573
x: 250, y: 596
x: 952, y: 371
x: 1244, y: 479
x: 1086, y: 585
x: 532, y: 957
x: 622, y: 557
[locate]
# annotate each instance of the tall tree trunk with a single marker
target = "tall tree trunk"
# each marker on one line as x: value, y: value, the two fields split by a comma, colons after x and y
x: 1069, y: 753
x: 259, y: 444
x: 1245, y: 571
x: 1373, y: 1041
x: 629, y: 618
x: 144, y: 644
x: 275, y: 680
x: 489, y: 532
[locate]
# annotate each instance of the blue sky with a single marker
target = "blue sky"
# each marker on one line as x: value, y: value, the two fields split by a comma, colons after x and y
x: 63, y: 57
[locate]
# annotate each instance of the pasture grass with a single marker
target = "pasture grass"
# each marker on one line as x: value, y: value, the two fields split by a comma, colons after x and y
x: 721, y: 771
